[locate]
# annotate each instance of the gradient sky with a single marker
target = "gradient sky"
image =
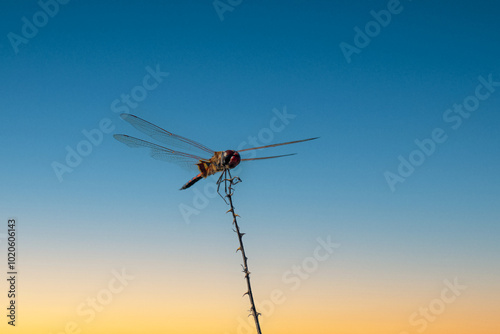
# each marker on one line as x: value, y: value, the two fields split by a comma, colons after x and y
x: 232, y: 75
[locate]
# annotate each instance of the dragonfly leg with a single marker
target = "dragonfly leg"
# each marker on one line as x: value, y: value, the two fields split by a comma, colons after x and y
x: 221, y: 179
x: 229, y: 181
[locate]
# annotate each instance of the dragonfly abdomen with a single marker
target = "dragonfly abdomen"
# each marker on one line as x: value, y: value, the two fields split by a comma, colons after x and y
x: 192, y: 181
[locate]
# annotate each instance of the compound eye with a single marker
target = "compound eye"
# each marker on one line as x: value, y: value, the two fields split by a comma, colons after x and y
x: 227, y: 156
x: 235, y: 160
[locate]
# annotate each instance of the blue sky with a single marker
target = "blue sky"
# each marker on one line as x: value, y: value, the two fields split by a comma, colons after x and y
x: 228, y: 80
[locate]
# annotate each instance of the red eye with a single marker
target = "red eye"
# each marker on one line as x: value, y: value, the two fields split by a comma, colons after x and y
x: 234, y: 159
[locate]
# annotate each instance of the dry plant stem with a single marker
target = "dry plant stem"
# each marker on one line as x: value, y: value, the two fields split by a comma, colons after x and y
x: 229, y: 194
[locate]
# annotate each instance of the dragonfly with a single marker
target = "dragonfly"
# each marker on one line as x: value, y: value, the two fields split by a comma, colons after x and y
x: 208, y: 162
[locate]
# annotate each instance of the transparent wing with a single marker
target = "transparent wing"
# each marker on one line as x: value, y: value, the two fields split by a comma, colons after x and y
x: 274, y: 156
x: 158, y: 152
x: 274, y: 145
x: 164, y: 136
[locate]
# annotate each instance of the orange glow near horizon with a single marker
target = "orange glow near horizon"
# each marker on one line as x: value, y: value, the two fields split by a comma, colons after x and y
x: 320, y: 305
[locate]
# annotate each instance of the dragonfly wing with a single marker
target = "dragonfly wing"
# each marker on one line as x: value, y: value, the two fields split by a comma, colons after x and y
x: 158, y: 152
x: 274, y: 156
x: 274, y: 145
x: 164, y: 136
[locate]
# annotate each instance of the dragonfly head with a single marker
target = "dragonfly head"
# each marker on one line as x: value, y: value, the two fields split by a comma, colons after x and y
x: 231, y: 158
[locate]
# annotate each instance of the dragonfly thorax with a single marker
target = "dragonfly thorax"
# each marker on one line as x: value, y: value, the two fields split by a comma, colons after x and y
x: 231, y: 158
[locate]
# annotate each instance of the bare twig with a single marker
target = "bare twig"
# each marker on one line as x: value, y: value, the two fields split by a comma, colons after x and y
x: 229, y: 182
